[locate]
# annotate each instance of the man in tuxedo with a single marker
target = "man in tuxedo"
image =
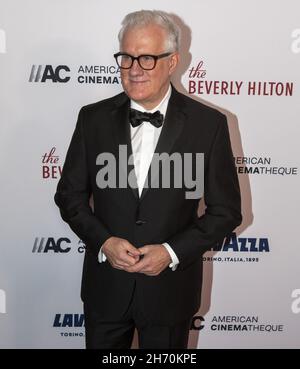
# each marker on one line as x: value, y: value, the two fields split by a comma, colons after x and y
x: 144, y: 245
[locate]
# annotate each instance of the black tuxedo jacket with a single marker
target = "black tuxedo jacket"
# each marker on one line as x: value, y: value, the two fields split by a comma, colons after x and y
x: 160, y: 215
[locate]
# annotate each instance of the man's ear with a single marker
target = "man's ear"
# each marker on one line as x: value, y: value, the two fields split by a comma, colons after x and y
x: 173, y: 61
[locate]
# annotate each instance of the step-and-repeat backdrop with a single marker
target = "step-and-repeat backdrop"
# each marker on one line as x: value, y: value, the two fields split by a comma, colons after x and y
x: 241, y: 57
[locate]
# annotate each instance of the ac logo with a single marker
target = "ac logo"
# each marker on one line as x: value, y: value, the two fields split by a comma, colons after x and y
x: 40, y: 73
x: 43, y: 245
x: 2, y: 302
x: 296, y: 303
x: 2, y: 41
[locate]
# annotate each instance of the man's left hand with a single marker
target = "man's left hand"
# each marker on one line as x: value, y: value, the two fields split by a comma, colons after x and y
x: 155, y: 259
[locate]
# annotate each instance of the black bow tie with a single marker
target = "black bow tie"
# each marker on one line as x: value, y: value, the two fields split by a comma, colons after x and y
x: 138, y: 117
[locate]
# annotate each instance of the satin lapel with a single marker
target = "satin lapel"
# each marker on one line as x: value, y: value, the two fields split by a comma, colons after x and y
x: 171, y: 130
x: 121, y: 132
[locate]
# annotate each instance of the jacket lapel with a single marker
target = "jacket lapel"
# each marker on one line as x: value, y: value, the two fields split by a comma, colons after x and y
x: 121, y: 132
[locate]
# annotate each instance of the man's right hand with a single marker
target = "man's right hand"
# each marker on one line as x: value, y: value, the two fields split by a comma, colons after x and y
x: 120, y: 253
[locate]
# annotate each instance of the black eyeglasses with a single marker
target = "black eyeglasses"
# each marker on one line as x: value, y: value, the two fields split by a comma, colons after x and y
x: 146, y: 62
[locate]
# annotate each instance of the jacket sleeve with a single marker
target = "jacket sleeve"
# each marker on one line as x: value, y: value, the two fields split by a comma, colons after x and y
x: 222, y: 199
x: 74, y: 191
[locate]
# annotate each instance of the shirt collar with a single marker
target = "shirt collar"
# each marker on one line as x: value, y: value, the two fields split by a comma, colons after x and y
x: 162, y: 106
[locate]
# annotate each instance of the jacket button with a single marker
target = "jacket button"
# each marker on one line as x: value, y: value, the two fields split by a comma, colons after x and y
x: 140, y: 222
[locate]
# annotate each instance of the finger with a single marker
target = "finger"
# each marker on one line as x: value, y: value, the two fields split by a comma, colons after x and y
x: 146, y: 271
x: 138, y: 266
x: 136, y: 257
x: 122, y: 265
x: 150, y: 274
x: 144, y: 250
x: 127, y: 259
x: 132, y: 250
x: 117, y: 263
x: 117, y: 267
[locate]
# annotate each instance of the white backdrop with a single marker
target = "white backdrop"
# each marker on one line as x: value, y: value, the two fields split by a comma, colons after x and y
x: 242, y: 58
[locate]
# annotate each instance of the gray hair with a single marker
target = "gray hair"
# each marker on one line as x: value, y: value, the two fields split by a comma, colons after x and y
x: 146, y: 17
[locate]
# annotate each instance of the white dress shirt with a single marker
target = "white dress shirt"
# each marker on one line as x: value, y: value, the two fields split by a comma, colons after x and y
x: 143, y: 141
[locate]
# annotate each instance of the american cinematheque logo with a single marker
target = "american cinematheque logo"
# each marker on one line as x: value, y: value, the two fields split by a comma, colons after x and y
x: 242, y: 323
x: 199, y: 85
x: 263, y: 165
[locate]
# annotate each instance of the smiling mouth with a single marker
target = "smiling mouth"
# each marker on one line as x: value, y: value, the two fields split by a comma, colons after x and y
x: 134, y: 81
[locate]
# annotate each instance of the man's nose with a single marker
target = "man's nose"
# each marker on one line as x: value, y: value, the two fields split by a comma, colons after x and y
x: 136, y: 68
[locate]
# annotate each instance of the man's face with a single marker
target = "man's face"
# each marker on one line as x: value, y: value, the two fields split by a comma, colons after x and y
x: 147, y: 87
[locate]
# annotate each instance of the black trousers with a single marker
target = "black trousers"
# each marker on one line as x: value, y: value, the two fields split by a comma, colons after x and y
x: 102, y: 334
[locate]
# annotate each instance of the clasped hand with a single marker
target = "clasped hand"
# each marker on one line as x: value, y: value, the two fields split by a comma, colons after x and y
x: 149, y: 259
